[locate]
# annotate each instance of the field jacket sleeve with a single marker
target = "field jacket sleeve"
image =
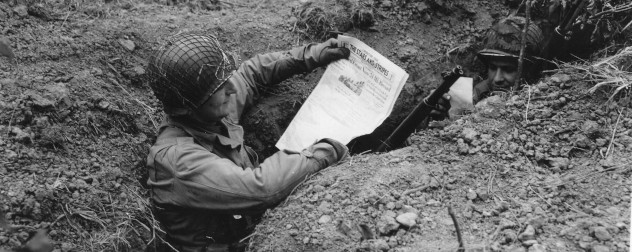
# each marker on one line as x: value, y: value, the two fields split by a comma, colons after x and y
x: 187, y: 175
x: 268, y: 69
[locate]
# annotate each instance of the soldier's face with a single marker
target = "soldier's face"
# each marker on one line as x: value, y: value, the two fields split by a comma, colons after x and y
x: 503, y: 73
x: 218, y: 105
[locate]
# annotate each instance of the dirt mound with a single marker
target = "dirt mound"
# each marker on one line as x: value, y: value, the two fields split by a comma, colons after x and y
x: 521, y: 172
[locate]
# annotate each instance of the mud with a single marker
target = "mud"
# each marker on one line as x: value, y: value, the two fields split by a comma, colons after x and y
x: 76, y: 121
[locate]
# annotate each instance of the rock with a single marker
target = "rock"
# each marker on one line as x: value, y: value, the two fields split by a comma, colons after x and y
x: 390, y: 205
x: 387, y: 223
x: 516, y: 248
x: 471, y: 194
x: 40, y: 242
x: 20, y: 135
x: 407, y: 219
x: 410, y: 209
x: 66, y: 247
x: 407, y: 52
x: 39, y: 101
x: 528, y: 234
x: 379, y: 245
x: 347, y: 228
x: 529, y: 243
x: 602, y: 234
x: 318, y: 188
x: 127, y: 44
x: 469, y: 134
x: 537, y: 248
x: 21, y: 10
x: 387, y: 4
x: 433, y: 203
x: 482, y: 194
x: 600, y: 248
x: 324, y: 219
x: 508, y: 236
x: 324, y: 207
x: 558, y: 163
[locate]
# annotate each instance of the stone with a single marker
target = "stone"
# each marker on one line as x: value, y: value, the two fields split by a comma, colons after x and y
x: 21, y: 10
x: 602, y: 234
x: 379, y: 245
x: 324, y: 219
x: 529, y: 243
x: 537, y: 248
x: 508, y: 236
x: 528, y: 234
x: 40, y: 102
x: 469, y: 134
x: 406, y: 53
x: 407, y: 219
x: 433, y: 203
x: 127, y: 44
x: 387, y: 223
x: 390, y: 205
x: 599, y: 248
x: 324, y: 207
x: 558, y: 163
x: 516, y: 248
x: 471, y: 194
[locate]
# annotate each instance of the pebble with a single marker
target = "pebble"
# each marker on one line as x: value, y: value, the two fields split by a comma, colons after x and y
x: 537, y: 248
x: 407, y: 219
x: 529, y: 243
x: 387, y: 223
x: 602, y: 234
x: 21, y: 10
x: 127, y: 44
x: 469, y: 134
x: 471, y: 194
x: 324, y: 207
x: 600, y: 248
x: 324, y: 219
x: 528, y: 234
x: 433, y: 203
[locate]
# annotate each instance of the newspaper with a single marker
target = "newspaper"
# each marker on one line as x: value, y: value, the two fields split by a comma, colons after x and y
x: 461, y: 97
x: 353, y: 97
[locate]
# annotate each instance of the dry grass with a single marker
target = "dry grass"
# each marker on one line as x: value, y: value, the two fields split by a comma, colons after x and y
x: 316, y: 19
x: 612, y: 73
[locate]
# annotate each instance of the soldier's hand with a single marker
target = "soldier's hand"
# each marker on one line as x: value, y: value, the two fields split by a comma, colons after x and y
x: 329, y: 51
x: 342, y: 152
x: 440, y: 112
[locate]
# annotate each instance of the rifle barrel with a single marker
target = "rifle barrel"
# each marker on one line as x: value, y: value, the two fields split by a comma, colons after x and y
x: 421, y: 112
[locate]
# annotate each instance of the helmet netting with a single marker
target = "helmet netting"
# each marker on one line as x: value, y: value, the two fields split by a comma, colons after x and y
x: 188, y: 69
x: 506, y: 36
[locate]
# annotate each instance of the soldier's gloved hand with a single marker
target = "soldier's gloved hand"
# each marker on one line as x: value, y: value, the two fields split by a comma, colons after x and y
x: 440, y: 112
x: 342, y: 152
x: 328, y: 51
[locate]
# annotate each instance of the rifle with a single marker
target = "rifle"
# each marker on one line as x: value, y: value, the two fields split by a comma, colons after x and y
x: 421, y: 111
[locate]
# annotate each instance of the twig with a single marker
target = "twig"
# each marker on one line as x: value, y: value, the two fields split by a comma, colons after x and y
x: 526, y: 112
x: 523, y: 44
x: 536, y: 193
x: 417, y: 189
x: 458, y: 230
x: 11, y: 120
x: 613, y: 133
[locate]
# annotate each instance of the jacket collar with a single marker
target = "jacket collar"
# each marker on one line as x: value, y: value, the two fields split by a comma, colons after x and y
x: 207, y: 135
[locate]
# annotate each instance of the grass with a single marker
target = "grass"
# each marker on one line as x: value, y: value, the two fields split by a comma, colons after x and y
x: 610, y: 73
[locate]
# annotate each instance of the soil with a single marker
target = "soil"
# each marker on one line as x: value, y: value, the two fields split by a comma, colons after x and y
x: 545, y: 170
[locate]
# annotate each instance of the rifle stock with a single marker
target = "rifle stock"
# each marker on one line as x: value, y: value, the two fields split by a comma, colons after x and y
x: 421, y: 112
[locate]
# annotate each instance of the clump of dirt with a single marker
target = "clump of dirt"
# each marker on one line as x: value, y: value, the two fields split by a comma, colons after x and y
x: 521, y: 172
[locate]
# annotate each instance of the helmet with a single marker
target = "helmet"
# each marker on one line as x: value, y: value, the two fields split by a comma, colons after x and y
x: 187, y: 70
x: 504, y: 40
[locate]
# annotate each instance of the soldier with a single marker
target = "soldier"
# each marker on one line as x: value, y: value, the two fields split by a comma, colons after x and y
x: 208, y: 189
x: 500, y: 55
